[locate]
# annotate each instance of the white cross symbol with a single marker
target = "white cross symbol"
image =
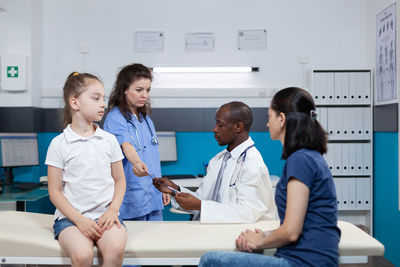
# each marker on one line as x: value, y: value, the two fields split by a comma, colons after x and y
x: 12, y: 71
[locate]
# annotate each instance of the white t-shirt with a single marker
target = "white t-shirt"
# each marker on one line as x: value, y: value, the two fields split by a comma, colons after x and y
x: 86, y: 164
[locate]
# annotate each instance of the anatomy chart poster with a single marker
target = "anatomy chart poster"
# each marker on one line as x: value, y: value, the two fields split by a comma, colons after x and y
x: 386, y: 73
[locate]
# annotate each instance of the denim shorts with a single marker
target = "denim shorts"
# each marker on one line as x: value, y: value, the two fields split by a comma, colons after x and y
x: 61, y: 224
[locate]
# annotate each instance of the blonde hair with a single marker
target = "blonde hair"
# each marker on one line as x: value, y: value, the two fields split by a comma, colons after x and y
x: 75, y: 85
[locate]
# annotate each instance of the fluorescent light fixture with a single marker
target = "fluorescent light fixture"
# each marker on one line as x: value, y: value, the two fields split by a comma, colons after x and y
x: 205, y: 69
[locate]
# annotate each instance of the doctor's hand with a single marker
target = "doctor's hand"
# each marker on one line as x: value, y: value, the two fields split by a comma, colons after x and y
x: 166, y: 198
x: 140, y: 169
x: 249, y: 240
x: 188, y: 201
x: 162, y: 185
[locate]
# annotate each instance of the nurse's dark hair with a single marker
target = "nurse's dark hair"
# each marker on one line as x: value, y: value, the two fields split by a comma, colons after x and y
x: 74, y: 86
x: 128, y: 75
x: 240, y: 112
x: 302, y: 128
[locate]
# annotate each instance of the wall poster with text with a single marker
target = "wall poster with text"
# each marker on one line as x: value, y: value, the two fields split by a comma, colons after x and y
x: 386, y: 73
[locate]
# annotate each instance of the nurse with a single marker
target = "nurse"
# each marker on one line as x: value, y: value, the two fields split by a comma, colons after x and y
x: 128, y: 119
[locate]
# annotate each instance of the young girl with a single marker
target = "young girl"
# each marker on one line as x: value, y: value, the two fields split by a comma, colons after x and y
x: 86, y: 178
x: 305, y: 194
x: 128, y: 119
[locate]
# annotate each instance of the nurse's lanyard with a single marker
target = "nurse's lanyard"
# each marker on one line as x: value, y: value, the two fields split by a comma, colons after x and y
x: 241, y: 160
x: 154, y: 140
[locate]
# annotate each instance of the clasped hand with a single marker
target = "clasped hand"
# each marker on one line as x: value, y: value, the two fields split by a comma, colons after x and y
x: 93, y: 230
x: 249, y: 241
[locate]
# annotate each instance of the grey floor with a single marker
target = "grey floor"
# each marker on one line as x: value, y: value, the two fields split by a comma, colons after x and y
x: 372, y: 262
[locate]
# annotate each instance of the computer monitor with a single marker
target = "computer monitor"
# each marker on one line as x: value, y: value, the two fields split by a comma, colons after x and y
x: 167, y: 146
x: 17, y: 149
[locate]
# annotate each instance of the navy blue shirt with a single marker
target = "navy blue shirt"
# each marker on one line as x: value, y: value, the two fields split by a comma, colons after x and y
x: 318, y: 242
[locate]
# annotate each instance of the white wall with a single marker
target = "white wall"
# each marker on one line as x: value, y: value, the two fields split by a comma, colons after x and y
x: 37, y: 51
x: 16, y: 38
x: 332, y: 33
x: 3, y: 26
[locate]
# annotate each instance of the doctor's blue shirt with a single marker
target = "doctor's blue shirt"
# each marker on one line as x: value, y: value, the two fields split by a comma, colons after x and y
x: 141, y: 197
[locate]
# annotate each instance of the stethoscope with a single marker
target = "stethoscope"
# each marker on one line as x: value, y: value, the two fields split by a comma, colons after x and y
x: 244, y: 153
x: 241, y: 159
x: 154, y: 140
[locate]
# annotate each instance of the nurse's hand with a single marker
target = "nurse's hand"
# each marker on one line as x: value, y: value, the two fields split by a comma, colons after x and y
x: 140, y: 169
x: 166, y: 199
x: 188, y: 201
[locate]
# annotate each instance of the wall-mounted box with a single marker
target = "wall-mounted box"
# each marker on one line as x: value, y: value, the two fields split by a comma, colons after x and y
x: 14, y: 73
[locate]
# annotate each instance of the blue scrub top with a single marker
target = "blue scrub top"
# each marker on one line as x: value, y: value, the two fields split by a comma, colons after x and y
x: 141, y: 197
x: 319, y: 240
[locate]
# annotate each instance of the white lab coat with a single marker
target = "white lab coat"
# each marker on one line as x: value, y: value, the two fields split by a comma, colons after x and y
x: 246, y: 191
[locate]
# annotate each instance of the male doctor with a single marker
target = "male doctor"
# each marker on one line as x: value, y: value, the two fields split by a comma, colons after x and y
x: 237, y: 187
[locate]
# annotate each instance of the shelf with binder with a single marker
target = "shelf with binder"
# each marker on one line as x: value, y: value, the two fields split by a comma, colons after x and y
x: 353, y: 193
x: 344, y: 106
x: 333, y: 87
x: 346, y: 123
x: 349, y: 158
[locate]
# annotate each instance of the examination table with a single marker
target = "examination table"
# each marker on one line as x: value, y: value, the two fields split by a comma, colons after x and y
x: 27, y: 238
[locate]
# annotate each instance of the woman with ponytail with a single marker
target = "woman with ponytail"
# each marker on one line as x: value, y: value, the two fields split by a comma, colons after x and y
x: 305, y: 194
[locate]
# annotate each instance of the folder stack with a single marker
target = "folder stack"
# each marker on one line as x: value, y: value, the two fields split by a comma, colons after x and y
x: 341, y: 87
x: 344, y: 107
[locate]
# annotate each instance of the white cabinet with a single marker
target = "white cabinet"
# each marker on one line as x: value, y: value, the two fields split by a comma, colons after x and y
x: 344, y: 106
